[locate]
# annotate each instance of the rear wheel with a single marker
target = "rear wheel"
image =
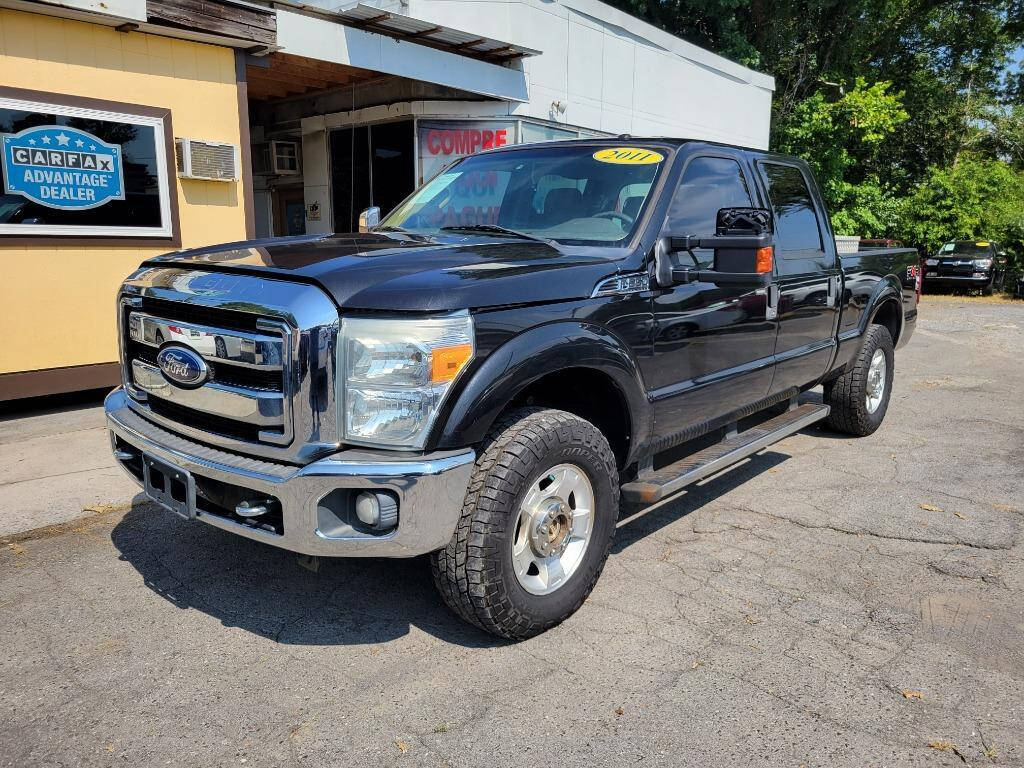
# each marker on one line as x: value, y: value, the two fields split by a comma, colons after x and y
x: 536, y: 526
x: 860, y: 397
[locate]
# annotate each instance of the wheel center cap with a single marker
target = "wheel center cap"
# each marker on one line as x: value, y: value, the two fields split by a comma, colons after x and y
x: 551, y: 528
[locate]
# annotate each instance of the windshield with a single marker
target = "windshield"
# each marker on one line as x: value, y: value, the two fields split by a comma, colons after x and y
x: 967, y: 247
x: 575, y: 194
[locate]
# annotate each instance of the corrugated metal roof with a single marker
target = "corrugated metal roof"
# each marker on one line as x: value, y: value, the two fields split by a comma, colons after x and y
x: 405, y: 27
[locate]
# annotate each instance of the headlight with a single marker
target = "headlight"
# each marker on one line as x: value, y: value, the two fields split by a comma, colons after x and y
x: 931, y: 262
x: 396, y: 373
x: 983, y: 263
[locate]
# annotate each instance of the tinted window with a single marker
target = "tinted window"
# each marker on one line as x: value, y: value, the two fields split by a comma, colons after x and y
x: 708, y: 184
x: 796, y: 223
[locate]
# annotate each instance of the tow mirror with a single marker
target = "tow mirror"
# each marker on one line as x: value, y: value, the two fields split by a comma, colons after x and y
x: 743, y: 251
x: 369, y: 219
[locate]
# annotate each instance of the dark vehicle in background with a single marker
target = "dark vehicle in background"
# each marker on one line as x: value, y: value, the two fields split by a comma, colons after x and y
x: 972, y: 264
x: 535, y: 335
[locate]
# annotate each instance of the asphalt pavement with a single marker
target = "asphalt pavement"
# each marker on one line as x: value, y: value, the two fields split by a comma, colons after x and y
x: 831, y: 602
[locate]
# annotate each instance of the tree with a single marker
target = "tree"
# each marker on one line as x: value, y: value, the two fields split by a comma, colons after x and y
x: 842, y: 140
x: 906, y: 109
x: 976, y: 198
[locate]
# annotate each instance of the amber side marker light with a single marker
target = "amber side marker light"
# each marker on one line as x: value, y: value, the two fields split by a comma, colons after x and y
x: 765, y: 257
x: 448, y: 361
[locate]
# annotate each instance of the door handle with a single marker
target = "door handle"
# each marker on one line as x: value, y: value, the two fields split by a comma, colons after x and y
x: 771, y: 310
x: 833, y: 291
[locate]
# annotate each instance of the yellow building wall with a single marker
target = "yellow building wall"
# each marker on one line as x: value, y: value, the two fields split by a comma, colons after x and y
x: 57, y: 302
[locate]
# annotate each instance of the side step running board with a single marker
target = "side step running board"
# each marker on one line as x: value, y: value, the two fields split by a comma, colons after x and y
x: 654, y: 486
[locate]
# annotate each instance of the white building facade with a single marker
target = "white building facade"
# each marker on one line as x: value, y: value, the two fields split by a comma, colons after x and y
x: 445, y: 78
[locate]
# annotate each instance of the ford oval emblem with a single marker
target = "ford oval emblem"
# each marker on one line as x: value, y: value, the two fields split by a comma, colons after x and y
x: 182, y: 366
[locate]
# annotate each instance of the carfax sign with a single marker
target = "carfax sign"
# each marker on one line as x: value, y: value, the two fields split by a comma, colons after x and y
x: 62, y: 167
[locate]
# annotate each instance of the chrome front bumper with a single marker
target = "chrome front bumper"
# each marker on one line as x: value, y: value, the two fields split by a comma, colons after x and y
x: 956, y: 280
x: 430, y: 487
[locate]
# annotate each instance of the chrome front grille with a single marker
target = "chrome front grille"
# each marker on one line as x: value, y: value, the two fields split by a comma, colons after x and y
x: 247, y: 372
x: 269, y: 348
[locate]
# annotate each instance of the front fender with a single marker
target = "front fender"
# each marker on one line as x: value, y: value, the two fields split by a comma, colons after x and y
x: 529, y: 356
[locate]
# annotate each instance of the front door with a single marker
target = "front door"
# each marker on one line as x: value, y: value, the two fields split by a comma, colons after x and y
x: 713, y: 344
x: 807, y: 275
x: 291, y: 212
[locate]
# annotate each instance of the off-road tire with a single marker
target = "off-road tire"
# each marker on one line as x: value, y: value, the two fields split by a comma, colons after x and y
x: 846, y: 395
x: 474, y: 573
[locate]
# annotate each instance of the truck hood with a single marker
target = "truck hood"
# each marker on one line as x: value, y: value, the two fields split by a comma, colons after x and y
x: 393, y: 271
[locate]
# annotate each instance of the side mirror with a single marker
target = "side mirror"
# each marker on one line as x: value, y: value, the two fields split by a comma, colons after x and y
x: 369, y: 219
x: 742, y: 245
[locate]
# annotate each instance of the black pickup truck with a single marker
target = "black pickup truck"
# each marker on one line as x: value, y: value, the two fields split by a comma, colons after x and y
x: 535, y: 336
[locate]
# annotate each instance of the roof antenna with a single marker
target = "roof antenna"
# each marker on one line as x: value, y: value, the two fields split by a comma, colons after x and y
x: 624, y: 136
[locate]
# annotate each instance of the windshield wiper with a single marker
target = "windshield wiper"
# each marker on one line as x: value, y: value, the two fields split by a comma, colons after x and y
x: 388, y: 228
x: 498, y: 230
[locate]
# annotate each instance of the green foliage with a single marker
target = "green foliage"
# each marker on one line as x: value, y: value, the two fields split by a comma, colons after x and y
x: 842, y: 139
x: 838, y: 135
x: 909, y: 111
x: 1000, y: 133
x: 976, y: 198
x: 867, y: 209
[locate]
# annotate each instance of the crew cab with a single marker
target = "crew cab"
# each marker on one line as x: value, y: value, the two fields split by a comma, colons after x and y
x: 974, y: 264
x: 536, y: 336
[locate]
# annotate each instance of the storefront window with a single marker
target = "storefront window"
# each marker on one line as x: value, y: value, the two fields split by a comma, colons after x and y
x: 370, y: 165
x: 441, y: 143
x: 73, y: 171
x: 533, y: 133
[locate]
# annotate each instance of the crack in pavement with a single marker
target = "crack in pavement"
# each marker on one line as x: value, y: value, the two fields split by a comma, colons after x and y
x: 874, y: 534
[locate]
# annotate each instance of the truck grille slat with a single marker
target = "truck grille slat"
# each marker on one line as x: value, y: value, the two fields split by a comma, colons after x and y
x: 223, y: 372
x: 228, y: 319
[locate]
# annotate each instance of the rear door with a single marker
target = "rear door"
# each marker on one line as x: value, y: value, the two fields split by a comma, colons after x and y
x: 713, y: 344
x: 808, y: 275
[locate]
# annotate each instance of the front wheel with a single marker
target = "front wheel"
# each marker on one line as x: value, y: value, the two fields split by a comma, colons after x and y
x: 536, y: 525
x: 860, y: 397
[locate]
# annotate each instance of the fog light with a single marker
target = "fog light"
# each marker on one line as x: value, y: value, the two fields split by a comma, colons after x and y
x: 377, y: 509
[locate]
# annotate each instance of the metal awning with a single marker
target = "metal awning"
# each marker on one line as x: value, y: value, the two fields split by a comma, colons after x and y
x: 402, y: 27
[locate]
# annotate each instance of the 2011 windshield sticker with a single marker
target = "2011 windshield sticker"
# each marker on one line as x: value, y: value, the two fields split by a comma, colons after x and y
x: 628, y: 156
x: 62, y: 167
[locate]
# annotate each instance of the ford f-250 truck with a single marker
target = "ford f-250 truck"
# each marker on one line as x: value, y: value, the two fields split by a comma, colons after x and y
x: 534, y: 336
